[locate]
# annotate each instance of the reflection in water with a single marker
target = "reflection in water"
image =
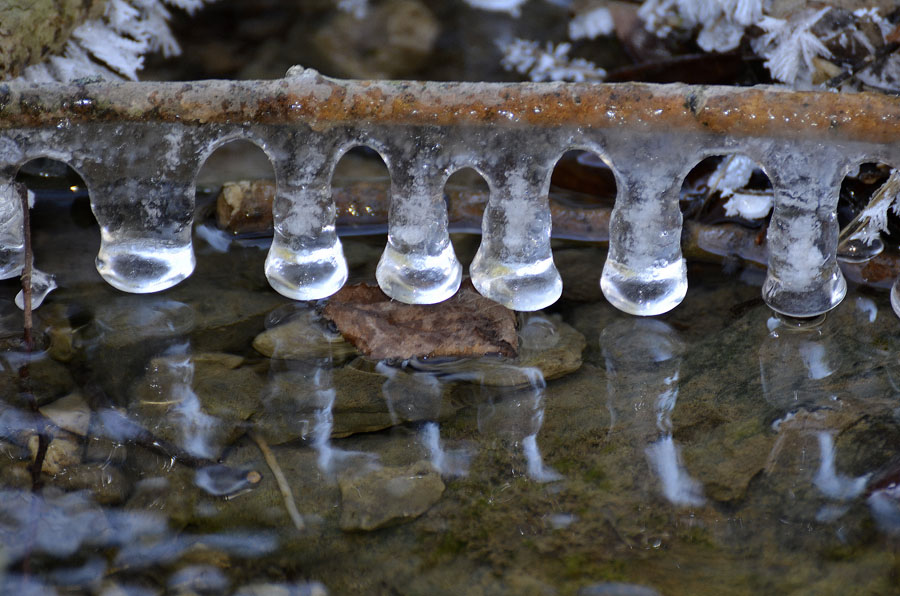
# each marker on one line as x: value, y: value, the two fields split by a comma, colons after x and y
x: 417, y: 395
x: 448, y: 462
x: 795, y: 362
x: 832, y: 484
x: 518, y: 414
x: 174, y: 377
x: 643, y: 360
x: 331, y: 459
x: 884, y: 504
x: 798, y: 366
x: 301, y: 397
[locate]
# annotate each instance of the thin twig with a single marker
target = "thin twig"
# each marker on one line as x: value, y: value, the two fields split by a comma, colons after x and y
x: 28, y: 324
x: 26, y: 271
x: 25, y: 379
x: 280, y: 479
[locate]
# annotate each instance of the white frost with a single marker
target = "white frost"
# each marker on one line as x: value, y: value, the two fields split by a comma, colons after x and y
x: 550, y: 63
x: 790, y: 47
x: 513, y: 7
x: 113, y: 46
x: 591, y: 24
x: 749, y: 205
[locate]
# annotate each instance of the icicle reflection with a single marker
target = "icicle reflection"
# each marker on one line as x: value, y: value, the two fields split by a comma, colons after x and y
x: 300, y: 399
x: 799, y: 365
x: 827, y: 479
x: 417, y: 396
x: 643, y: 360
x: 173, y: 377
x: 795, y: 363
x: 517, y: 415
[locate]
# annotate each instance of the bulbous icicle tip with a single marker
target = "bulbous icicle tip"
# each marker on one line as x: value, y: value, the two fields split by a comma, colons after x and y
x: 653, y: 291
x: 306, y: 275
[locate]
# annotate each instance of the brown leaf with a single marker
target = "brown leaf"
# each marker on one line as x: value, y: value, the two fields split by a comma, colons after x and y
x: 467, y: 324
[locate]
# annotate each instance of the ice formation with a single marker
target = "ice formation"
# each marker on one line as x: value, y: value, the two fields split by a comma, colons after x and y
x: 140, y: 173
x: 113, y: 47
x: 548, y: 63
x: 591, y: 24
x: 643, y: 360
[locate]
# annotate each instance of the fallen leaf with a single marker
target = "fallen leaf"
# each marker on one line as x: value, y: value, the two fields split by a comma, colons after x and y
x: 466, y: 325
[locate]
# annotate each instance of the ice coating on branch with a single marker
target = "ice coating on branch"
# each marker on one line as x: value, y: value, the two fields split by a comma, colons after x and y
x: 141, y: 177
x: 41, y: 284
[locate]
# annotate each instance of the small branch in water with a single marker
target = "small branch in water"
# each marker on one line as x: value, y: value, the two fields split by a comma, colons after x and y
x: 26, y: 271
x: 280, y: 479
x: 28, y: 338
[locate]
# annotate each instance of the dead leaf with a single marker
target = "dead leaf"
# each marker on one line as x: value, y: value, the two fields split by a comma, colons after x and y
x: 466, y: 325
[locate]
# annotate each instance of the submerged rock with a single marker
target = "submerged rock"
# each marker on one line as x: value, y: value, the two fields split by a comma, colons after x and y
x: 304, y: 335
x: 70, y: 413
x: 388, y: 495
x: 199, y: 403
x: 548, y: 349
x: 63, y: 452
x: 107, y: 484
x: 310, y: 404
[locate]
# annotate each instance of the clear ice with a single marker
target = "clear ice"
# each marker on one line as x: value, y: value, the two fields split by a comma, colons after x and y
x: 141, y: 179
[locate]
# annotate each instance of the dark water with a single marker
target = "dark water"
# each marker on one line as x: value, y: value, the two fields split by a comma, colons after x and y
x: 714, y: 450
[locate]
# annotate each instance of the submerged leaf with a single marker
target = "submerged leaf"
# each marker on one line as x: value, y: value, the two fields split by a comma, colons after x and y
x: 466, y: 325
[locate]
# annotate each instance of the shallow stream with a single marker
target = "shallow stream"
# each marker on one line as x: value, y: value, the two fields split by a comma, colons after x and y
x: 713, y: 450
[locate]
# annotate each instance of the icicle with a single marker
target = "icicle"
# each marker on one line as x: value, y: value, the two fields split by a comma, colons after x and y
x: 142, y: 194
x: 804, y: 279
x: 12, y: 235
x: 645, y: 273
x: 306, y: 260
x: 514, y: 264
x: 419, y: 265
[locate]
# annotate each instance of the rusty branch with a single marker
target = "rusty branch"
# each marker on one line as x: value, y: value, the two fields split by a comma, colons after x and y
x: 308, y: 97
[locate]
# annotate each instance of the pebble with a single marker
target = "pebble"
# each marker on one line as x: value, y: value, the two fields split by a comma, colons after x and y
x: 70, y: 413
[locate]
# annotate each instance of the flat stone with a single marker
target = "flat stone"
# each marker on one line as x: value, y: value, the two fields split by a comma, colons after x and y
x: 107, y: 484
x: 388, y: 496
x: 292, y: 406
x: 70, y: 413
x: 303, y: 336
x: 548, y: 349
x: 64, y: 451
